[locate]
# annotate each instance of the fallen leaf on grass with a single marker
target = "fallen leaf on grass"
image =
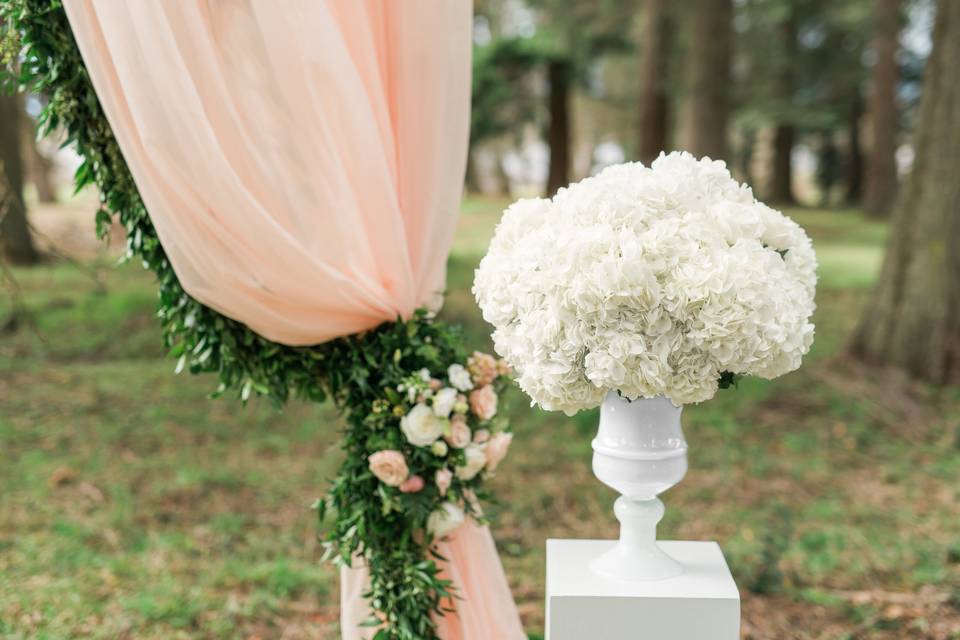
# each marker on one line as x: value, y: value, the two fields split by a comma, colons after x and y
x: 61, y: 476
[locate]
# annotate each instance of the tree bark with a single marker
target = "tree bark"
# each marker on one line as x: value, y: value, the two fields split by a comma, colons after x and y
x: 855, y: 154
x: 17, y: 245
x: 881, y: 176
x: 913, y: 319
x: 781, y: 186
x: 708, y: 78
x: 471, y: 180
x: 827, y: 167
x: 38, y: 166
x: 654, y: 101
x: 558, y: 135
x: 503, y: 182
x: 749, y: 139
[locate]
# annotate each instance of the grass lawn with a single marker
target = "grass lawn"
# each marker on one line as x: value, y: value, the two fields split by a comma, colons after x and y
x: 134, y: 507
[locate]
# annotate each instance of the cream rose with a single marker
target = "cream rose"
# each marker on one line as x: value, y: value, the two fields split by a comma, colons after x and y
x: 421, y: 426
x: 459, y: 377
x: 443, y: 402
x: 497, y: 449
x: 445, y: 520
x: 483, y: 402
x: 476, y: 460
x: 389, y: 466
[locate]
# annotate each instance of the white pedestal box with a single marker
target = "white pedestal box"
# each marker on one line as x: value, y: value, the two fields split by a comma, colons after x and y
x: 702, y: 603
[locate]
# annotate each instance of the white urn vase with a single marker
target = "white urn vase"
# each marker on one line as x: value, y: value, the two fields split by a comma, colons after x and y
x: 640, y: 452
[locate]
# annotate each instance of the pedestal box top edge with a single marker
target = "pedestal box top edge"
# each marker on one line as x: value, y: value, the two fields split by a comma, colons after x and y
x: 706, y: 574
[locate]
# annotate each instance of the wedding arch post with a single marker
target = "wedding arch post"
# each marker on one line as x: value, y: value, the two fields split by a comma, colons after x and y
x: 293, y: 178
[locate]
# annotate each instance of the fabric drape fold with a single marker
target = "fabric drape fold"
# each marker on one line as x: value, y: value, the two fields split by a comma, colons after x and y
x: 484, y: 607
x: 303, y: 166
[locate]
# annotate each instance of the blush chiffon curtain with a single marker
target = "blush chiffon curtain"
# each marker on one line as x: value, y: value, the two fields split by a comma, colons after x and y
x: 303, y: 163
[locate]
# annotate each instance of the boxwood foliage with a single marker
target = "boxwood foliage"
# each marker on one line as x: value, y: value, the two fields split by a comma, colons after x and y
x: 42, y: 58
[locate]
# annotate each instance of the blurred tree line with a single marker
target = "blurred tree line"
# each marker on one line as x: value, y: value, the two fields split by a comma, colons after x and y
x: 752, y: 82
x: 747, y: 81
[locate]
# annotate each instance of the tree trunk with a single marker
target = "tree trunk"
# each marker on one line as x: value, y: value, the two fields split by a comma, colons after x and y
x: 785, y: 135
x: 38, y: 171
x: 881, y: 177
x: 17, y: 245
x: 827, y: 167
x: 708, y: 78
x: 913, y: 319
x: 855, y: 154
x: 746, y: 155
x: 504, y: 184
x: 654, y: 101
x: 37, y: 166
x: 781, y: 187
x: 558, y: 135
x: 471, y: 180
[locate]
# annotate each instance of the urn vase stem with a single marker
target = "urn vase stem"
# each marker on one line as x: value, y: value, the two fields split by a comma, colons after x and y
x: 639, y: 451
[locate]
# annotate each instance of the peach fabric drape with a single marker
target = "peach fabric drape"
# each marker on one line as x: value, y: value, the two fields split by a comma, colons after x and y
x: 484, y: 610
x: 302, y: 160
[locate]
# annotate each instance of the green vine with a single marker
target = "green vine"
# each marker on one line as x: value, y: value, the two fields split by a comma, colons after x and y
x: 383, y: 524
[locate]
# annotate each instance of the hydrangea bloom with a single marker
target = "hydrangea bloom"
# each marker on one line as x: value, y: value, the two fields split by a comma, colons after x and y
x: 651, y: 281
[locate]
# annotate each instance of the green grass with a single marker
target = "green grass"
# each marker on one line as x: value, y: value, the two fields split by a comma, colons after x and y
x: 133, y: 506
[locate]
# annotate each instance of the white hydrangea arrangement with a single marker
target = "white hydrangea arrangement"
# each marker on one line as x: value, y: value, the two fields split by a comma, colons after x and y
x: 664, y: 280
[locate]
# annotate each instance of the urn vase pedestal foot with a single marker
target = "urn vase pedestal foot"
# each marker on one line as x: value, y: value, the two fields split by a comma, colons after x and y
x: 637, y: 556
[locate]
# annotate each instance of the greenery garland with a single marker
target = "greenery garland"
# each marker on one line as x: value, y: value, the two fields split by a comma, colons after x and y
x: 378, y: 380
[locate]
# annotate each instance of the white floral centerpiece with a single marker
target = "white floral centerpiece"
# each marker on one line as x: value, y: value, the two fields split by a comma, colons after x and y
x: 649, y: 281
x: 646, y: 288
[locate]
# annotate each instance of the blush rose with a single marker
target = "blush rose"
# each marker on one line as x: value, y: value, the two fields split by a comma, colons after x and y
x: 389, y: 466
x: 483, y: 402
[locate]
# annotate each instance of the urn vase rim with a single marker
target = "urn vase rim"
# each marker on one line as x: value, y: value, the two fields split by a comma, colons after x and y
x: 614, y: 395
